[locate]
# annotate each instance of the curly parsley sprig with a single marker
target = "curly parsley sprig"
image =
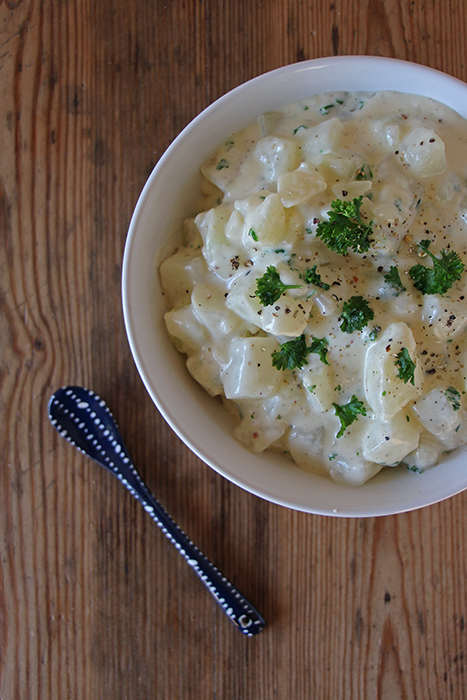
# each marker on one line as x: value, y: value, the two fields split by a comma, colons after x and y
x: 348, y: 413
x: 438, y: 279
x: 270, y: 288
x: 345, y: 228
x: 356, y: 312
x: 293, y: 354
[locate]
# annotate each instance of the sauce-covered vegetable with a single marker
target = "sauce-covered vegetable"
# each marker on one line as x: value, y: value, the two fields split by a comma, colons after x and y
x: 321, y: 292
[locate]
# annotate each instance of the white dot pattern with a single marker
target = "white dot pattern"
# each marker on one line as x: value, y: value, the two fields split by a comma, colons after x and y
x: 83, y: 418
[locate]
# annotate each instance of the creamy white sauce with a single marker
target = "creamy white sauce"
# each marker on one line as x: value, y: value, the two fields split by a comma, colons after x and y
x: 266, y: 191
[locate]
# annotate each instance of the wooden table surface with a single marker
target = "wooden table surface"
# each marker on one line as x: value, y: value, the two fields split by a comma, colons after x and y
x: 94, y: 601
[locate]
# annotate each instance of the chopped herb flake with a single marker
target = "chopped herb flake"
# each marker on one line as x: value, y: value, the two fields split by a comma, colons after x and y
x: 413, y: 468
x: 406, y: 366
x: 454, y: 397
x: 313, y: 277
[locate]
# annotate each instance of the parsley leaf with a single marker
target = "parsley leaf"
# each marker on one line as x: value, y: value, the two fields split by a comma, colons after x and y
x: 348, y: 413
x: 270, y: 288
x: 406, y: 366
x: 292, y: 354
x: 439, y: 279
x: 320, y: 347
x: 355, y: 315
x: 313, y: 277
x: 454, y: 397
x: 345, y: 228
x: 393, y: 278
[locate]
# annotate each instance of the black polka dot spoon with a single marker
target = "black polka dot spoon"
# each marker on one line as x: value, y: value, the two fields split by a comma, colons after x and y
x: 84, y: 419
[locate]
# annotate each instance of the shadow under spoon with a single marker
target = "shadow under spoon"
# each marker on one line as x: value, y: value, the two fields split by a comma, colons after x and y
x: 84, y: 419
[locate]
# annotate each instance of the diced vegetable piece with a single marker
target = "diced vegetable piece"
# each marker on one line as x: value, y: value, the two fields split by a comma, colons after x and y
x: 233, y: 168
x: 185, y: 329
x: 424, y: 152
x: 277, y: 157
x: 205, y: 368
x: 346, y: 460
x: 264, y: 221
x: 350, y: 190
x: 306, y: 448
x: 249, y: 373
x: 388, y: 129
x: 318, y: 383
x: 300, y: 185
x: 388, y: 442
x: 256, y: 431
x: 353, y: 469
x: 393, y: 209
x: 386, y: 392
x: 438, y: 414
x: 319, y: 140
x: 210, y: 309
x: 218, y: 251
x: 425, y: 455
x: 179, y: 273
x: 339, y: 165
x: 446, y: 320
x: 288, y: 316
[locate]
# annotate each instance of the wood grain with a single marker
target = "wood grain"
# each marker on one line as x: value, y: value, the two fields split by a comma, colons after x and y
x: 94, y: 602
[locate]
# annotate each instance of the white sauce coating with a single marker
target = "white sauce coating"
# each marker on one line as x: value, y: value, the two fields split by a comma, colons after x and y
x: 266, y: 191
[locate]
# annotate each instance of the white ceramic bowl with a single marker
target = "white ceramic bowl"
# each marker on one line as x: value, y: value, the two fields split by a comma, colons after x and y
x: 168, y: 197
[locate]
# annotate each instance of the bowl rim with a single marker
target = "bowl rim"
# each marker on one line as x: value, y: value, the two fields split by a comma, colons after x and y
x: 424, y: 77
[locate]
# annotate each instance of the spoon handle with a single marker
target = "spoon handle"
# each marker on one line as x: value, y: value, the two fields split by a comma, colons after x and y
x: 84, y: 419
